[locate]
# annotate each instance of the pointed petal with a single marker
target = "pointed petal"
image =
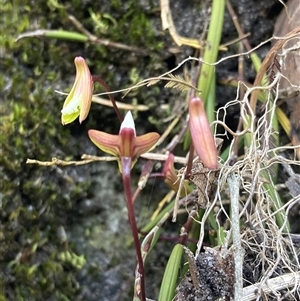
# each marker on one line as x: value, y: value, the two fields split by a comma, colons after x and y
x: 201, y: 134
x: 106, y: 142
x: 144, y: 143
x: 128, y: 122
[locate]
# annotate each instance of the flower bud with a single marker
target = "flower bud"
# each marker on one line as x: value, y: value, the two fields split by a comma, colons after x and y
x: 202, y: 137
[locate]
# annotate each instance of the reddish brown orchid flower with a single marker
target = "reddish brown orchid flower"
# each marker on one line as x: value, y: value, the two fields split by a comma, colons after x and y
x: 126, y: 144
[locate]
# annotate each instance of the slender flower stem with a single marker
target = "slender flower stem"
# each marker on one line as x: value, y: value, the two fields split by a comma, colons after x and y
x: 126, y: 177
x: 190, y: 160
x: 112, y: 99
x: 135, y: 195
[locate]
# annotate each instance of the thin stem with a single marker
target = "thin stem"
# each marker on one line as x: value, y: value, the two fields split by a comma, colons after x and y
x: 146, y: 173
x: 135, y: 195
x: 190, y: 160
x: 186, y: 228
x: 112, y: 99
x: 178, y: 138
x: 241, y: 76
x: 126, y: 177
x: 238, y: 26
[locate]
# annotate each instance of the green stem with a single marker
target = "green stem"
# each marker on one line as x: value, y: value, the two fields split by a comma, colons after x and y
x: 55, y: 34
x: 211, y: 47
x: 211, y: 102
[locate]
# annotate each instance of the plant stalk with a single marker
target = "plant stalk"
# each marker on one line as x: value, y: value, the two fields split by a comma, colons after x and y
x: 139, y: 289
x: 97, y: 79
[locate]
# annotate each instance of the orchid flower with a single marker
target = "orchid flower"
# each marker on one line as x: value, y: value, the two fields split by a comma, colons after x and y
x: 127, y: 147
x: 78, y: 101
x: 126, y: 144
x: 202, y: 137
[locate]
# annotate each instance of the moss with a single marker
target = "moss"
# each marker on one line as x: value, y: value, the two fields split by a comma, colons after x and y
x: 32, y: 196
x: 37, y: 200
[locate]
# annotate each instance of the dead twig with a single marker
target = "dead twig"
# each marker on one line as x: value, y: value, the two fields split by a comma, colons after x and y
x: 92, y: 38
x: 266, y: 64
x: 275, y: 284
x: 234, y: 189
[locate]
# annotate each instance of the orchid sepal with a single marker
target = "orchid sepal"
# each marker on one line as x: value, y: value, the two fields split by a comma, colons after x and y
x: 108, y: 143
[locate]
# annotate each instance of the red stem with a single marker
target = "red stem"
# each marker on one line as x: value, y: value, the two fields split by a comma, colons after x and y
x: 113, y: 101
x: 190, y: 160
x: 126, y: 177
